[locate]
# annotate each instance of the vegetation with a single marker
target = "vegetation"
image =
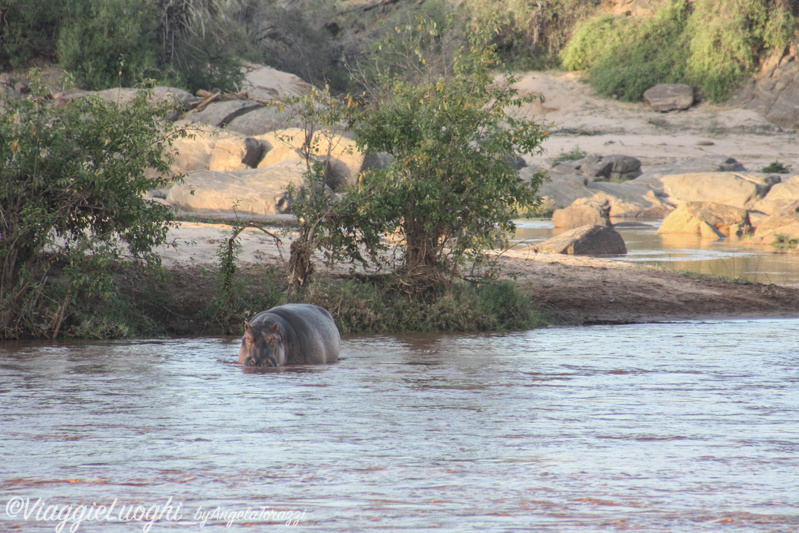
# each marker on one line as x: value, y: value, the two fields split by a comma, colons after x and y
x: 775, y: 167
x: 575, y: 154
x: 71, y: 195
x: 708, y: 44
x: 450, y: 193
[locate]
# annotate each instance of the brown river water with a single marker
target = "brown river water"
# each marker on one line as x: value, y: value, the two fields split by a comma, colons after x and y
x: 690, y: 426
x: 731, y: 258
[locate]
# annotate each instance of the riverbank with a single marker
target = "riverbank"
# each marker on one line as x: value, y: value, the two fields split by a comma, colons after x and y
x: 567, y: 290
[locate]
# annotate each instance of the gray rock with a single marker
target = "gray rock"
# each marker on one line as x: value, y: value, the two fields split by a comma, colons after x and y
x: 262, y: 120
x: 774, y: 95
x: 599, y: 168
x: 779, y: 196
x: 666, y: 97
x: 587, y: 240
x: 220, y: 114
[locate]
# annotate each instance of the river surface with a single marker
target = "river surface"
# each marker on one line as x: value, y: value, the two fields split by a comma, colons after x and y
x: 730, y: 258
x: 690, y: 426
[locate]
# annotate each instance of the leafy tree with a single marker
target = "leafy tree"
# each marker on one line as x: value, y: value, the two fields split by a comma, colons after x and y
x: 451, y: 192
x: 71, y: 184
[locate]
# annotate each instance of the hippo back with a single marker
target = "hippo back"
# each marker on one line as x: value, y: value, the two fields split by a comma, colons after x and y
x: 311, y: 335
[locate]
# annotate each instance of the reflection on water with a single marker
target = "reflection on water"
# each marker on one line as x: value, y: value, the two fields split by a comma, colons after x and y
x: 725, y: 257
x: 663, y: 427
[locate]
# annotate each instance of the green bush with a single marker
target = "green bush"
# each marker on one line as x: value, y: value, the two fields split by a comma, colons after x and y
x: 108, y: 43
x: 450, y: 192
x: 71, y: 196
x: 375, y: 306
x: 711, y: 45
x: 531, y: 34
x: 28, y: 29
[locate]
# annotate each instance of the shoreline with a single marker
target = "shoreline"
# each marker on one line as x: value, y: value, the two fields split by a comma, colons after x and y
x: 568, y: 290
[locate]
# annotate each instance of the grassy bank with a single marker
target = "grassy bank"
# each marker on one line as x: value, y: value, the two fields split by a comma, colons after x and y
x: 190, y: 302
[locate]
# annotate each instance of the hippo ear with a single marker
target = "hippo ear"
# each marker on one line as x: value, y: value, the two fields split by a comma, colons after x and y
x: 246, y: 327
x: 276, y: 326
x: 270, y: 339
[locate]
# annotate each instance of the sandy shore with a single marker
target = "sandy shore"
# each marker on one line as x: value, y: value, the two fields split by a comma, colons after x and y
x: 580, y: 290
x: 569, y: 289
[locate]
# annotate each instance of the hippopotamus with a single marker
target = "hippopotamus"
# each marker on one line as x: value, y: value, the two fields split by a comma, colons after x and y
x: 290, y: 334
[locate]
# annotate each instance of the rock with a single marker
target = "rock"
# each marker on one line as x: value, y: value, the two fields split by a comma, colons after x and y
x: 344, y: 163
x: 582, y: 212
x: 690, y: 217
x: 779, y: 196
x: 739, y: 190
x: 786, y: 216
x: 775, y: 95
x: 219, y: 114
x: 262, y: 120
x: 196, y: 152
x: 265, y: 83
x: 596, y: 167
x: 232, y: 154
x: 587, y: 240
x: 666, y: 97
x: 254, y: 192
x: 695, y: 165
x: 160, y: 94
x: 630, y: 201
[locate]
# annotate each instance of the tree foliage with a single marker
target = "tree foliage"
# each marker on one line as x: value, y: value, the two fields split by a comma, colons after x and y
x: 71, y: 186
x: 451, y: 191
x: 711, y: 45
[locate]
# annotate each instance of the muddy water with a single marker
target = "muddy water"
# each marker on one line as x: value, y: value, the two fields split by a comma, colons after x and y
x: 664, y: 427
x: 725, y: 257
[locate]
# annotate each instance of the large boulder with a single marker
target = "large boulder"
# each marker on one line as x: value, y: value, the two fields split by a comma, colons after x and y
x: 666, y: 97
x: 693, y: 165
x: 582, y: 212
x: 262, y: 120
x: 735, y: 189
x: 343, y: 164
x: 708, y: 219
x: 197, y: 151
x: 597, y: 167
x: 775, y: 95
x: 776, y: 223
x: 122, y: 95
x: 779, y: 196
x: 265, y: 83
x: 220, y: 114
x: 256, y: 192
x: 233, y: 154
x: 587, y: 240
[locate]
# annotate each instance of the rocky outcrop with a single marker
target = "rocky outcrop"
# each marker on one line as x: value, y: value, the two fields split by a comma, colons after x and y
x: 776, y: 223
x: 779, y: 196
x: 775, y: 94
x: 734, y: 189
x: 344, y: 162
x: 256, y: 192
x: 209, y: 148
x: 265, y: 83
x: 220, y: 114
x: 666, y: 97
x: 598, y: 168
x: 710, y: 220
x: 582, y: 212
x: 587, y: 240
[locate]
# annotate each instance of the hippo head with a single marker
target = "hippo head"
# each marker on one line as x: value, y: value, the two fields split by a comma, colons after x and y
x: 262, y: 346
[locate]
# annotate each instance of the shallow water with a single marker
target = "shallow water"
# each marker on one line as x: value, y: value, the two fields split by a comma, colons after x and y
x: 725, y: 257
x: 663, y: 427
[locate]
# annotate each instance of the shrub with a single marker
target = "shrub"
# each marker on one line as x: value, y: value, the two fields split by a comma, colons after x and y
x: 28, y: 30
x: 450, y: 193
x: 107, y: 43
x: 711, y: 45
x: 775, y: 167
x: 71, y: 194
